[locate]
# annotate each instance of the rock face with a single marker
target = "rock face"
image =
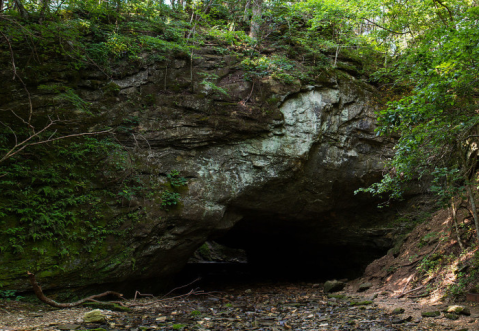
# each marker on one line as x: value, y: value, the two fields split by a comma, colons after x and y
x: 273, y: 175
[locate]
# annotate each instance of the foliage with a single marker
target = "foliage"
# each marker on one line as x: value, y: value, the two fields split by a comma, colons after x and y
x: 53, y: 197
x: 195, y: 313
x: 208, y: 83
x: 9, y: 295
x: 175, y: 179
x: 169, y: 199
x: 437, y: 120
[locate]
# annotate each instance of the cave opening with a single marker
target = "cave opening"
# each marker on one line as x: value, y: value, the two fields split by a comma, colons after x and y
x: 276, y: 248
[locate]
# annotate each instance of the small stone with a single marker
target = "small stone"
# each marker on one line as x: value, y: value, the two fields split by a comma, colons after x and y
x: 364, y: 287
x: 248, y: 291
x: 398, y: 320
x: 68, y: 327
x: 458, y: 310
x: 333, y: 286
x: 94, y: 316
x: 451, y: 316
x: 315, y: 286
x: 398, y: 311
x: 430, y: 313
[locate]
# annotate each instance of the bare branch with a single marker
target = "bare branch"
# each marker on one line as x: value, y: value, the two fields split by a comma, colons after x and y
x: 183, y: 286
x: 29, y: 101
x: 16, y: 139
x: 137, y: 293
x: 11, y: 54
x: 22, y: 145
x: 382, y: 27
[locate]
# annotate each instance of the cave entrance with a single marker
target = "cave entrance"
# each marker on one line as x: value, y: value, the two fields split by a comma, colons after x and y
x: 265, y: 247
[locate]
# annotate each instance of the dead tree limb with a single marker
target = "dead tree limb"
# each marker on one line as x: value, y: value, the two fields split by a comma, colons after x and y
x: 410, y: 291
x: 12, y: 56
x: 454, y: 220
x: 26, y: 143
x: 180, y: 287
x: 192, y: 292
x: 39, y: 293
x: 137, y: 293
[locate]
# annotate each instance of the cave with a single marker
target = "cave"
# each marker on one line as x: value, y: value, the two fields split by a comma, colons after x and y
x: 334, y: 245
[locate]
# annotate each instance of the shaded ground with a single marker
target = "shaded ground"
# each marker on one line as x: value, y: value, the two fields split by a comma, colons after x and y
x: 264, y: 306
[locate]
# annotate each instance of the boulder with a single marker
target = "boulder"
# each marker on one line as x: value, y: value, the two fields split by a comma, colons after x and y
x: 332, y: 286
x: 364, y: 287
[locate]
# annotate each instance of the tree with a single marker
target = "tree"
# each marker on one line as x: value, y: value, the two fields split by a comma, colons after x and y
x: 256, y: 19
x: 437, y: 116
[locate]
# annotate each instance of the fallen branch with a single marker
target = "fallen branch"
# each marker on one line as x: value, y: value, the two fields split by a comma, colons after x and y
x: 410, y: 291
x: 192, y: 292
x: 183, y: 286
x: 137, y: 293
x: 39, y: 293
x: 6, y: 311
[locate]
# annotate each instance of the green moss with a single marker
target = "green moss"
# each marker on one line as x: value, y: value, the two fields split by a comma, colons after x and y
x: 111, y: 89
x: 272, y: 101
x: 398, y: 311
x: 430, y: 313
x: 204, y: 251
x: 361, y: 303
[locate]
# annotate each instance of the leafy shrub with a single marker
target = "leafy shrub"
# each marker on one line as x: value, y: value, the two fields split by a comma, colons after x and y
x: 175, y: 179
x: 169, y: 199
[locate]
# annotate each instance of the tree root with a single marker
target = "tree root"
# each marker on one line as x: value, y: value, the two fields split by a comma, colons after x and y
x: 39, y: 293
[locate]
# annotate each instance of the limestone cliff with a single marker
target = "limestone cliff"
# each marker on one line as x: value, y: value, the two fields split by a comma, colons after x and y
x: 268, y: 160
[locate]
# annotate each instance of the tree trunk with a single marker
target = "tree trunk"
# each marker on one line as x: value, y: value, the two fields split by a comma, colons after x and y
x: 21, y: 9
x: 188, y: 6
x: 474, y: 210
x: 1, y: 5
x: 45, y: 7
x: 454, y: 219
x: 256, y: 19
x: 246, y: 15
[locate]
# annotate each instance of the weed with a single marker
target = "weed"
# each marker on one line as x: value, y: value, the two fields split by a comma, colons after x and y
x: 169, y: 199
x: 175, y: 179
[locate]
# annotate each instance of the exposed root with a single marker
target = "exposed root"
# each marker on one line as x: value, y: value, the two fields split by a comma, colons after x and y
x: 39, y: 293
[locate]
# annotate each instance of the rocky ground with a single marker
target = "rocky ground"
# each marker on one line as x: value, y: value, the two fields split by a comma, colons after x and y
x: 266, y: 306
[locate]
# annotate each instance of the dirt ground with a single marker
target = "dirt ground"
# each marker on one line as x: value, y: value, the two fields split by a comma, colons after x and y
x: 264, y: 307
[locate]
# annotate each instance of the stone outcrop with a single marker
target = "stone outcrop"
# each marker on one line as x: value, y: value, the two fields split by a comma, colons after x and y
x: 271, y: 168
